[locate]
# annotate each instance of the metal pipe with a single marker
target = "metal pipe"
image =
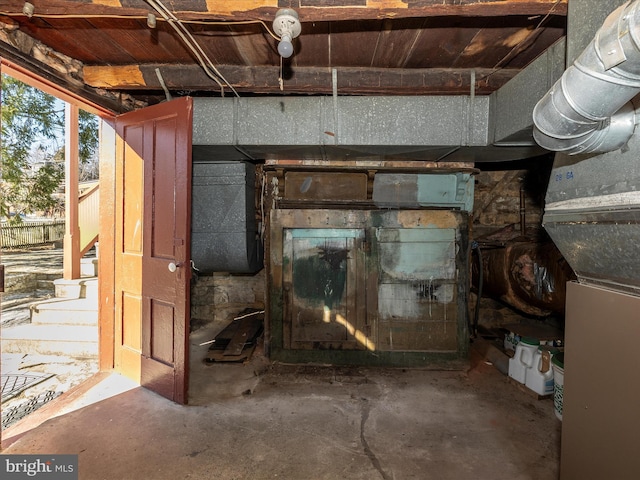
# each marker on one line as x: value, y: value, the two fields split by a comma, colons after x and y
x: 529, y: 276
x: 523, y: 218
x: 589, y: 108
x: 476, y: 314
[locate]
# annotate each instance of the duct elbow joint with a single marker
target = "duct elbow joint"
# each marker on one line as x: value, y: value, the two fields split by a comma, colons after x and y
x: 607, y: 136
x: 589, y: 109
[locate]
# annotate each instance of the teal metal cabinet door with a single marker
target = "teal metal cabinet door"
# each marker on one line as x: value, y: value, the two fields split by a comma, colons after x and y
x: 323, y: 283
x: 417, y: 301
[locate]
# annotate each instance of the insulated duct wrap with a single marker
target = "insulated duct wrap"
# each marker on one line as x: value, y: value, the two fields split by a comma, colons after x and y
x: 224, y: 234
x: 588, y: 110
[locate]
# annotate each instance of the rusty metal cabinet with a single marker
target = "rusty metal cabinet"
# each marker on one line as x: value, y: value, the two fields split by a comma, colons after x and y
x: 368, y: 286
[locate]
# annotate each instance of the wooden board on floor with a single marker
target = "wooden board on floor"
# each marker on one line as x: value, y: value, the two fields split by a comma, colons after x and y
x: 237, y: 341
x: 245, y: 335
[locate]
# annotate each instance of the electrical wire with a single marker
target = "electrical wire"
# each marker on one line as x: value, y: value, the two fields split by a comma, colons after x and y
x: 71, y: 15
x: 191, y: 43
x: 140, y: 17
x: 179, y: 27
x: 239, y: 22
x: 516, y: 48
x: 163, y: 85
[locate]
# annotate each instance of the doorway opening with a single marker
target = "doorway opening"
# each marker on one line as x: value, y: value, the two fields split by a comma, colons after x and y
x: 49, y: 318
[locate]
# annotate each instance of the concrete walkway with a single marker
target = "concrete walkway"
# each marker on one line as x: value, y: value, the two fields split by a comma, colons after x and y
x: 28, y: 272
x: 43, y: 259
x: 23, y: 269
x: 305, y: 422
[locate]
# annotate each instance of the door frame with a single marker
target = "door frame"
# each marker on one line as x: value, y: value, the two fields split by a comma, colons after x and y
x: 107, y: 164
x: 105, y: 271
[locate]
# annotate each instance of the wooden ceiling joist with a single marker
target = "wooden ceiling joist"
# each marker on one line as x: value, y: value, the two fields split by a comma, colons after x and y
x: 306, y: 80
x: 308, y: 10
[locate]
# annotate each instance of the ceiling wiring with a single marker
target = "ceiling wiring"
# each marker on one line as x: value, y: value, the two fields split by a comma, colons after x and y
x: 181, y: 30
x: 241, y: 22
x: 143, y: 17
x: 522, y: 44
x: 191, y: 43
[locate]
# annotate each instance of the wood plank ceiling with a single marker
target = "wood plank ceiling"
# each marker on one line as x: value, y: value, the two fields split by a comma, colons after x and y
x: 373, y: 47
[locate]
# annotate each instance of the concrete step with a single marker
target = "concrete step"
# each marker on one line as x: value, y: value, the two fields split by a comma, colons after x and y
x: 20, y: 282
x: 91, y: 289
x: 78, y: 288
x: 64, y: 311
x: 89, y: 267
x: 75, y: 341
x: 46, y: 285
x: 51, y: 275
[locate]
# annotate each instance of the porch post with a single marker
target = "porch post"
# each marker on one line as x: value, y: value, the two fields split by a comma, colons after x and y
x: 71, y: 262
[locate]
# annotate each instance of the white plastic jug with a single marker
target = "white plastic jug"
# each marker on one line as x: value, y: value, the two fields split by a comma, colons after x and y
x: 522, y: 361
x: 540, y: 377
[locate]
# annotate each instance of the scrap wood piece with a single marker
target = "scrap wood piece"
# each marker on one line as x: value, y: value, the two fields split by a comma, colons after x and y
x: 245, y: 335
x: 224, y: 337
x: 237, y: 341
x: 219, y: 356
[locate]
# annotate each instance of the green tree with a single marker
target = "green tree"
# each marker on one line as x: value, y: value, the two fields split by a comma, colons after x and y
x: 32, y: 158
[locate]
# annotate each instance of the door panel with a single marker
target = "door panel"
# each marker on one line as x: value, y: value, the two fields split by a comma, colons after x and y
x: 153, y: 188
x: 128, y: 258
x: 417, y: 301
x: 322, y: 281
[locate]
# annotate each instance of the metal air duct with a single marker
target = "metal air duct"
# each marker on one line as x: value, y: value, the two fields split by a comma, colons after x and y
x: 588, y: 110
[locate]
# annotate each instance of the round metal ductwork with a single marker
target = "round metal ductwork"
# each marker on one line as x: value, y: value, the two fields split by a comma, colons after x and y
x: 589, y: 108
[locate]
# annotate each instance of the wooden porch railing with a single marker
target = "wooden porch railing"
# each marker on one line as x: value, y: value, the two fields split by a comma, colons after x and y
x: 89, y: 217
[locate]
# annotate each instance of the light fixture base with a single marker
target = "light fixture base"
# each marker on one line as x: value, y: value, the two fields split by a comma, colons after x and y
x: 28, y: 9
x: 286, y: 21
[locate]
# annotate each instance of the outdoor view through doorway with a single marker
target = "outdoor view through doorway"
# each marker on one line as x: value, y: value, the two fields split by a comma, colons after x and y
x: 49, y: 316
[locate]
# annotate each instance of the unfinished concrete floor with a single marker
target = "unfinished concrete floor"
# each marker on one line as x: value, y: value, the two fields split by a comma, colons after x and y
x: 261, y: 421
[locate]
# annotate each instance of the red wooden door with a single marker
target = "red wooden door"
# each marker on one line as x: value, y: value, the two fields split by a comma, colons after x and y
x: 152, y: 251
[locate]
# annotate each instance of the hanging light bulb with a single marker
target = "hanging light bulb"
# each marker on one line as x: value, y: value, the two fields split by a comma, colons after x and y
x: 285, y: 47
x: 287, y: 26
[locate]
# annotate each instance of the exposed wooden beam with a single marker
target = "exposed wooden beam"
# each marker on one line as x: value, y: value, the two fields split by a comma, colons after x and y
x: 309, y: 10
x: 264, y: 79
x: 27, y: 69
